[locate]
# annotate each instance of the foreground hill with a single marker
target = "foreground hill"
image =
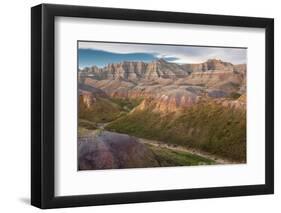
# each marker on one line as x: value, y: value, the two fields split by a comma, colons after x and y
x: 108, y: 150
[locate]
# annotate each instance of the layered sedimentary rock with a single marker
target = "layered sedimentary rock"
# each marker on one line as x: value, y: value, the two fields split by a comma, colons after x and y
x: 169, y: 85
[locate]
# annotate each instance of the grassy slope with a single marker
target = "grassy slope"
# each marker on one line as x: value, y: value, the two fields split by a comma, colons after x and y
x: 207, y: 126
x: 166, y: 157
x: 105, y: 110
x: 102, y: 111
x: 126, y: 104
x: 87, y: 124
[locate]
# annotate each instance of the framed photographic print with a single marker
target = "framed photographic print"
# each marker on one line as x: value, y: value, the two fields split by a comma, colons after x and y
x: 140, y: 106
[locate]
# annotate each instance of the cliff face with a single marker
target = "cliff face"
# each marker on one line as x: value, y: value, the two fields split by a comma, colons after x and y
x: 210, y: 65
x: 132, y: 71
x: 87, y: 99
x: 158, y: 69
x: 166, y: 86
x: 170, y: 101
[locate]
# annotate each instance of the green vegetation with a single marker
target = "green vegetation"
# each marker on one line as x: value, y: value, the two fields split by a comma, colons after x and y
x: 102, y: 111
x: 207, y: 126
x: 87, y: 124
x: 234, y: 95
x: 167, y: 157
x: 105, y: 110
x: 82, y: 131
x: 125, y: 104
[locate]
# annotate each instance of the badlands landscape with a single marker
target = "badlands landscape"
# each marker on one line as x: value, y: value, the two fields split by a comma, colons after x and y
x: 136, y: 114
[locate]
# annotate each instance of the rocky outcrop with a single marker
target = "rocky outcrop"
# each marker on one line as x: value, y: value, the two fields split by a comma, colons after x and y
x: 209, y: 65
x: 239, y: 103
x: 169, y: 101
x: 167, y: 86
x: 109, y: 150
x: 86, y: 99
x: 132, y: 71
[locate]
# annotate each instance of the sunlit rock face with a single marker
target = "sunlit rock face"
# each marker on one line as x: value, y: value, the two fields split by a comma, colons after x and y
x: 169, y: 101
x: 166, y: 86
x: 87, y: 99
x: 158, y: 69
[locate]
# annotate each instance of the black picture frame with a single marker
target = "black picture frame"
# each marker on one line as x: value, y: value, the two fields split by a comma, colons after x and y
x: 43, y: 102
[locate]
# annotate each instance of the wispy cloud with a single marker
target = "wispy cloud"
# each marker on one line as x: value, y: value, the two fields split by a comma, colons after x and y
x: 177, y: 54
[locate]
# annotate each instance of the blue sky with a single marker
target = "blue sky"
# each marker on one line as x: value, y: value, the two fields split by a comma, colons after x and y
x: 100, y: 53
x: 100, y: 58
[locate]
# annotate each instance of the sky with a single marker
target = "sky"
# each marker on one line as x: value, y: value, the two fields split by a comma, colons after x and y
x: 102, y: 53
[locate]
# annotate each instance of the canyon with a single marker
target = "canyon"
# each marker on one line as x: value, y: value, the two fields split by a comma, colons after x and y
x: 171, y: 85
x: 200, y: 106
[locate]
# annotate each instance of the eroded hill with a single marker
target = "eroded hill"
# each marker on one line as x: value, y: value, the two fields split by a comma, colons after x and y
x: 193, y: 105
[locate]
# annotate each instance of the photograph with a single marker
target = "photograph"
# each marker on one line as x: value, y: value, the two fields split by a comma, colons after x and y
x: 160, y: 105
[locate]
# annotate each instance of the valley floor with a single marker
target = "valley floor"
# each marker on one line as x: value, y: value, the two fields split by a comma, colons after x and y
x: 116, y: 134
x: 177, y: 148
x: 159, y: 153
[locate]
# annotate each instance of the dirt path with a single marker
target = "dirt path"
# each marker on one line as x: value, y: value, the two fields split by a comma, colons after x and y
x: 101, y: 126
x: 160, y: 144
